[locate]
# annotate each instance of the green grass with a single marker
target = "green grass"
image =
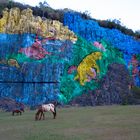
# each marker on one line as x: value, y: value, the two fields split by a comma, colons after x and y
x: 81, y: 123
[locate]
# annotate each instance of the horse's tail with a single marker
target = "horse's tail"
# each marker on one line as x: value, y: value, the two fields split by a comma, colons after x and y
x: 54, y: 103
x: 54, y: 113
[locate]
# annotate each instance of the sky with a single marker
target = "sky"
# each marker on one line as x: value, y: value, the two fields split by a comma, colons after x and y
x: 127, y: 11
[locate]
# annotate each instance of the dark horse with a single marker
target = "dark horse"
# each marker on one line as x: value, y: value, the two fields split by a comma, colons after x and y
x: 17, y: 111
x: 45, y: 108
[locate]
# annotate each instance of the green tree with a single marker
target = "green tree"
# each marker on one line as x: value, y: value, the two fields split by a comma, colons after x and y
x: 10, y: 3
x: 43, y: 5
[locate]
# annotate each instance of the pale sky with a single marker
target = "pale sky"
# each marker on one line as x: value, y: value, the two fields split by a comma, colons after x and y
x: 127, y: 11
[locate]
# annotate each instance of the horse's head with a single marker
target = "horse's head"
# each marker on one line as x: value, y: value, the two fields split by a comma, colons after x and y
x: 37, y: 114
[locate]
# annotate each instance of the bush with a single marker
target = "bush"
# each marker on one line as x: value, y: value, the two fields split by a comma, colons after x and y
x: 136, y: 92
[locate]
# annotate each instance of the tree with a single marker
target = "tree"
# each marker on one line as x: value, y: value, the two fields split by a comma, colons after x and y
x: 10, y: 3
x: 137, y: 34
x: 86, y: 15
x: 43, y: 7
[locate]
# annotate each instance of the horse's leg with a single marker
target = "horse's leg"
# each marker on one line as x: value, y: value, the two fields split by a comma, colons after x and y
x: 40, y: 115
x: 36, y: 116
x: 41, y: 112
x: 13, y: 113
x: 54, y: 112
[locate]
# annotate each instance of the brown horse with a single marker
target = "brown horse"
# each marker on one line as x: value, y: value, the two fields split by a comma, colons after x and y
x: 45, y: 108
x: 17, y: 111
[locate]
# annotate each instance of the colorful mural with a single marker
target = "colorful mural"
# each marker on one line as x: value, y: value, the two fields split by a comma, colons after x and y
x: 33, y: 56
x: 91, y: 31
x: 44, y: 61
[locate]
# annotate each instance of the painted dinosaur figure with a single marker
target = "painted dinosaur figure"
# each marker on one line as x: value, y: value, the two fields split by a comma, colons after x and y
x: 86, y: 69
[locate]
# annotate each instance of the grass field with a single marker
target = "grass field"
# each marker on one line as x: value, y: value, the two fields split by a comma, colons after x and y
x: 81, y: 123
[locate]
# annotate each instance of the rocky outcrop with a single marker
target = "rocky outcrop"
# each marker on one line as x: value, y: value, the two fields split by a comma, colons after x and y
x: 18, y: 22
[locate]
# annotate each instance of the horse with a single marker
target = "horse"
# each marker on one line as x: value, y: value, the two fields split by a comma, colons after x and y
x: 45, y: 108
x: 17, y: 111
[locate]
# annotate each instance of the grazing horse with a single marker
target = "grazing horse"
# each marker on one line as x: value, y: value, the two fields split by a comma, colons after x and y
x: 17, y: 111
x: 45, y: 108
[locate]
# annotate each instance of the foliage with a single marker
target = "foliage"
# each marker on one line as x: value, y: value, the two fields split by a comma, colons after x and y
x: 43, y: 6
x: 136, y: 92
x: 116, y: 25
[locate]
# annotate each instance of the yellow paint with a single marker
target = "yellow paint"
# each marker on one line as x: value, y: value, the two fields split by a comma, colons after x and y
x: 16, y: 21
x: 3, y: 21
x: 84, y: 68
x: 13, y: 62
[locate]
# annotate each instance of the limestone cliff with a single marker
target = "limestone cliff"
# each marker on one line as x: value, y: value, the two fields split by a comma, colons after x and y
x: 15, y: 21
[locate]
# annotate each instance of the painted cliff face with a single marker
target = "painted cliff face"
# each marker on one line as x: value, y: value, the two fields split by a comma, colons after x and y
x: 42, y: 60
x: 33, y: 55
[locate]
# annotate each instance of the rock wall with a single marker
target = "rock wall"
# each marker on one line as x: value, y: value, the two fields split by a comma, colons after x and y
x: 41, y: 60
x: 33, y: 53
x: 113, y: 89
x: 91, y: 31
